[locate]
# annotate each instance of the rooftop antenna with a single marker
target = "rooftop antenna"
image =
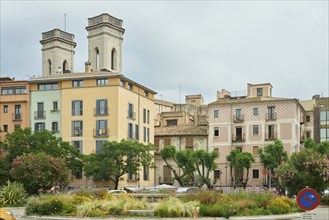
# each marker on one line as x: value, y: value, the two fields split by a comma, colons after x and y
x: 65, y: 22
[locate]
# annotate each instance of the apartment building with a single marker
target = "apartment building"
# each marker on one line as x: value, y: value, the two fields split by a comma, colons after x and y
x: 184, y: 127
x: 98, y: 105
x: 251, y: 122
x: 14, y: 105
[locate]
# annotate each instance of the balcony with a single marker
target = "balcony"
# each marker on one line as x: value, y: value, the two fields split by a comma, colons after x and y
x: 270, y: 136
x: 239, y: 138
x: 270, y: 117
x: 238, y: 118
x: 101, y: 111
x: 100, y: 133
x: 39, y: 115
x: 17, y: 117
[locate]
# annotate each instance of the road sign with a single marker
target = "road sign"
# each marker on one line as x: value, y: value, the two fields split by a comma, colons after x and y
x: 308, y: 199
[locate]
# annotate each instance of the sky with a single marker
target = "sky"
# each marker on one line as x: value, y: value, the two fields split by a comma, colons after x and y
x: 180, y: 48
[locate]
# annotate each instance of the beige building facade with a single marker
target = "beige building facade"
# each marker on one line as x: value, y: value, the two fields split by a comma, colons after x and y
x: 251, y: 122
x: 14, y: 105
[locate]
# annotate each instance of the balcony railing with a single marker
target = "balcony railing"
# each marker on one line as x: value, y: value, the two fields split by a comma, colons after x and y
x: 131, y: 115
x: 100, y: 133
x: 39, y: 115
x: 270, y: 136
x: 239, y: 138
x: 238, y: 118
x: 270, y: 117
x: 101, y: 111
x: 17, y: 117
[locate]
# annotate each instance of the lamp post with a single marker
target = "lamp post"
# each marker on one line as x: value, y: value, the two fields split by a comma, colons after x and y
x: 226, y: 176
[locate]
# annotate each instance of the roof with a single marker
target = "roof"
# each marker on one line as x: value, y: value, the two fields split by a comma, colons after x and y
x: 180, y: 130
x: 308, y: 105
x: 248, y: 100
x: 83, y: 75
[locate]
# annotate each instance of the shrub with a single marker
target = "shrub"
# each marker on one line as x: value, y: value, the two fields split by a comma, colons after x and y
x: 219, y: 210
x: 204, y: 197
x: 86, y: 192
x: 173, y: 207
x: 279, y: 205
x: 12, y: 194
x: 100, y: 193
x: 325, y: 200
x: 90, y: 209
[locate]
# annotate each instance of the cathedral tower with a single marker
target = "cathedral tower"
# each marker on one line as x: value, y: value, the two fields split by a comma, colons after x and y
x: 105, y: 43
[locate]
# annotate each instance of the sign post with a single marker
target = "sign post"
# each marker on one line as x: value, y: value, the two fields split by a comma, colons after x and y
x: 308, y: 199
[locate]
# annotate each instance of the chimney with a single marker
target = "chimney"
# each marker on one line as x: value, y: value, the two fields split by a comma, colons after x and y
x: 87, y: 67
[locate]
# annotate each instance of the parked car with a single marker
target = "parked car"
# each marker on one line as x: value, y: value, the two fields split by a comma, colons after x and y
x: 6, y: 214
x: 117, y: 192
x: 187, y: 189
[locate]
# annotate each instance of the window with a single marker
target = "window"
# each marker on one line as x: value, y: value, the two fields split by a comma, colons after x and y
x: 216, y: 113
x: 122, y: 83
x: 144, y: 115
x: 54, y: 126
x: 271, y: 132
x: 145, y: 173
x: 308, y: 118
x: 324, y: 134
x: 217, y: 174
x: 130, y: 131
x: 255, y: 174
x: 172, y: 122
x: 308, y: 134
x: 132, y: 176
x: 101, y: 107
x: 77, y: 83
x: 259, y: 91
x: 77, y: 107
x: 114, y: 59
x: 17, y: 126
x: 146, y: 93
x: 5, y: 109
x: 18, y: 115
x: 216, y: 131
x: 77, y: 145
x: 40, y: 113
x: 238, y: 113
x: 189, y: 143
x: 167, y: 142
x: 65, y: 66
x: 131, y: 111
x: 97, y: 66
x: 49, y: 86
x: 13, y: 90
x: 136, y: 132
x: 55, y: 106
x: 255, y: 129
x: 77, y: 128
x: 5, y: 128
x: 130, y: 86
x: 255, y: 111
x: 49, y: 67
x: 39, y: 126
x: 101, y: 128
x: 99, y: 145
x: 102, y: 82
x: 146, y: 132
x: 271, y: 113
x: 255, y: 150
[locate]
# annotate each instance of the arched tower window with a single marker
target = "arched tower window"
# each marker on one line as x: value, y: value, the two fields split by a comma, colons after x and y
x: 114, y: 59
x: 97, y: 58
x: 49, y: 67
x: 65, y: 66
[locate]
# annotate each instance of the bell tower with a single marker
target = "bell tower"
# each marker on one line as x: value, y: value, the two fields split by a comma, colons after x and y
x: 57, y: 52
x: 105, y: 43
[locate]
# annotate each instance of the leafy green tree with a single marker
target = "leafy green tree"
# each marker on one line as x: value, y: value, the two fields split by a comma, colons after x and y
x: 305, y: 168
x: 193, y: 165
x: 39, y: 171
x: 244, y: 160
x: 273, y: 156
x: 117, y: 159
x: 24, y: 141
x: 322, y: 148
x: 4, y: 170
x: 231, y: 158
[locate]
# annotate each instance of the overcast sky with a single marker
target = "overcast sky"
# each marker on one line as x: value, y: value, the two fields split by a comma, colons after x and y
x: 202, y: 46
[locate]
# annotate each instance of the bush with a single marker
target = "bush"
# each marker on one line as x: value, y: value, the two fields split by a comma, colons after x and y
x: 90, y: 209
x: 204, y: 197
x: 173, y: 207
x: 325, y: 200
x: 13, y: 194
x: 279, y: 205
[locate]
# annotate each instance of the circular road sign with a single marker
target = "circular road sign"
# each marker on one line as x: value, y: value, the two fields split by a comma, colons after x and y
x: 308, y: 199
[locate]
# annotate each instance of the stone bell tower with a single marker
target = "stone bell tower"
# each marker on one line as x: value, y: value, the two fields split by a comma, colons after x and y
x: 57, y: 52
x: 105, y: 43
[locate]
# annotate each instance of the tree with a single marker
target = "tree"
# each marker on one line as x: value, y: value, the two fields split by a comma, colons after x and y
x: 117, y: 159
x: 273, y: 156
x: 39, y: 171
x: 231, y: 158
x: 244, y: 160
x: 193, y: 165
x: 24, y: 141
x: 305, y: 168
x: 4, y: 170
